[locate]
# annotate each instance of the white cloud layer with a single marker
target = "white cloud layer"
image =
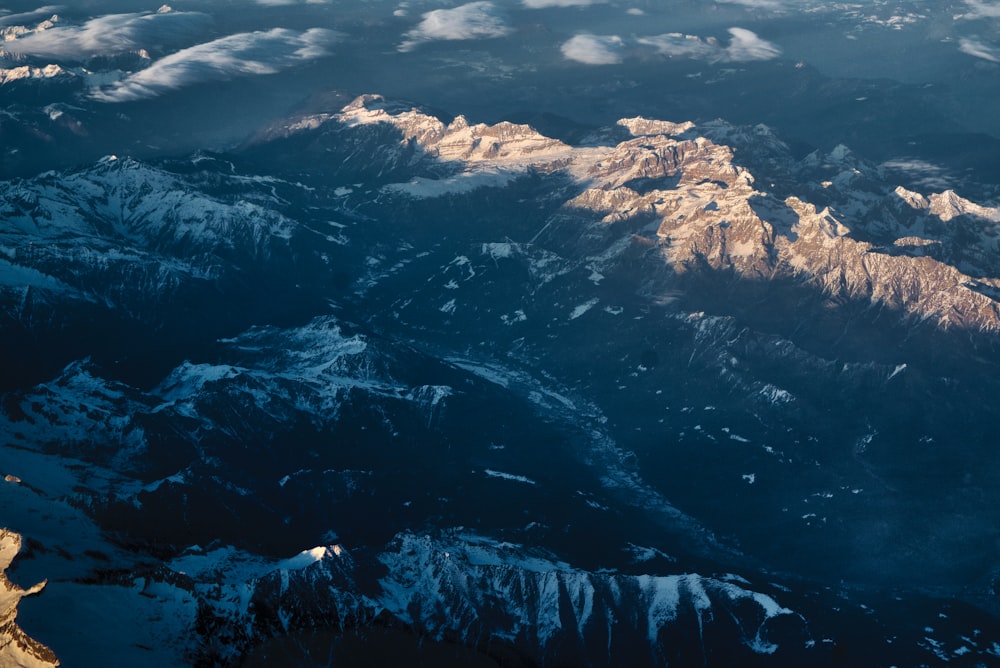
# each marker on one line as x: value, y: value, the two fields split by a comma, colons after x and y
x: 476, y: 20
x: 594, y: 49
x: 979, y: 49
x: 242, y: 54
x: 761, y: 4
x: 285, y: 3
x: 25, y: 17
x: 744, y: 46
x: 541, y: 4
x: 111, y: 34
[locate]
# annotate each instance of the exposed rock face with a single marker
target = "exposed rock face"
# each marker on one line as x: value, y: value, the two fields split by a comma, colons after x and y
x: 458, y: 140
x: 16, y: 648
x: 11, y: 74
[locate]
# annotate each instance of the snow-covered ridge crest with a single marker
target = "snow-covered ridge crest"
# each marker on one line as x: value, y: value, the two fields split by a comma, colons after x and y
x: 121, y: 198
x: 491, y: 155
x: 457, y: 140
x: 449, y: 585
x: 948, y: 204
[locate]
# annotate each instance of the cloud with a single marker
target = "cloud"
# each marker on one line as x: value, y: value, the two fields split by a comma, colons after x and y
x: 111, y: 34
x: 24, y: 17
x: 761, y: 4
x: 476, y: 20
x: 284, y: 3
x: 922, y: 173
x: 683, y: 46
x: 981, y: 10
x: 541, y: 4
x: 594, y: 49
x: 979, y: 49
x: 241, y: 54
x: 744, y: 46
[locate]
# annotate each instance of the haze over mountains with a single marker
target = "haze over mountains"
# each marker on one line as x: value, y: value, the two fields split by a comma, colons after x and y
x: 501, y: 333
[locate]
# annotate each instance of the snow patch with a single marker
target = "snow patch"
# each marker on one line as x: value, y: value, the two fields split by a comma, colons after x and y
x: 305, y: 558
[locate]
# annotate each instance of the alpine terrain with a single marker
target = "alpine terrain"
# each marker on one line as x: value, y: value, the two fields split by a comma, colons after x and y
x: 388, y: 386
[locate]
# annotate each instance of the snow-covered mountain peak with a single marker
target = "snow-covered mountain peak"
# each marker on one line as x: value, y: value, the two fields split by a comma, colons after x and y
x: 949, y: 204
x: 28, y: 72
x: 642, y: 127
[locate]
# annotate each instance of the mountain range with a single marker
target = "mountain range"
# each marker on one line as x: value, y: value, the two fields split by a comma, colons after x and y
x: 666, y: 394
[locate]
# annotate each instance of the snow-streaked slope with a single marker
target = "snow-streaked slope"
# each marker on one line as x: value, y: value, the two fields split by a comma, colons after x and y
x: 123, y: 235
x: 468, y: 588
x: 454, y: 586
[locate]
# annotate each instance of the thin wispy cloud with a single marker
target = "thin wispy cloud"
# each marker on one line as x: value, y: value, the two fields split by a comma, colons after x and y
x: 111, y: 34
x: 760, y: 4
x: 476, y: 20
x: 594, y: 49
x: 541, y: 4
x: 243, y: 54
x: 979, y: 49
x: 682, y: 46
x: 922, y: 173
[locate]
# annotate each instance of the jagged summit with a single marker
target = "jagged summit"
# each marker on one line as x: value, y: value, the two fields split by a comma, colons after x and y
x: 641, y: 127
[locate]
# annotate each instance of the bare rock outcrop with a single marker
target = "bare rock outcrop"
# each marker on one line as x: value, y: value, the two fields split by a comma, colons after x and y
x: 16, y: 648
